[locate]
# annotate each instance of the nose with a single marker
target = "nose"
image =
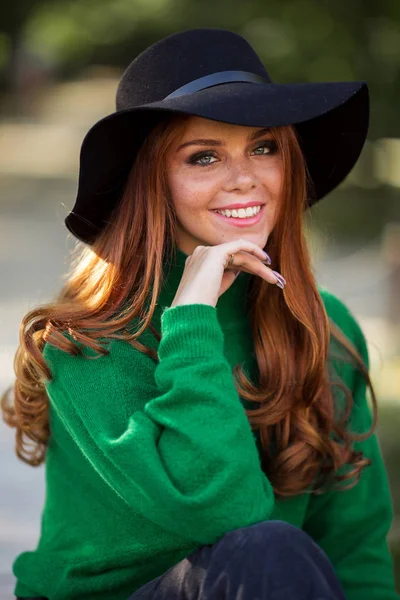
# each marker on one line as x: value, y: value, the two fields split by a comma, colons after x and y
x: 241, y: 177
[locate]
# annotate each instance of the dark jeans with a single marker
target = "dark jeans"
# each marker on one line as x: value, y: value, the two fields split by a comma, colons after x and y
x: 271, y: 560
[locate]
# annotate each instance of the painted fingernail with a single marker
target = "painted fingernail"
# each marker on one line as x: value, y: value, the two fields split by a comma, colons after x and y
x: 281, y: 280
x: 268, y: 258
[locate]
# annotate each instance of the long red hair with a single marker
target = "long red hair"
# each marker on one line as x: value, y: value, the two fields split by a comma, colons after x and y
x: 118, y: 279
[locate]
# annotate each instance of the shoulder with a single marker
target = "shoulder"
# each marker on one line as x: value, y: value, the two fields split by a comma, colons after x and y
x: 124, y: 374
x: 120, y: 360
x: 343, y: 366
x: 342, y: 317
x: 340, y: 314
x: 56, y: 355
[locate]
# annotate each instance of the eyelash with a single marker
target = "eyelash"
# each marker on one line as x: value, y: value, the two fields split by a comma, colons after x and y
x: 272, y: 145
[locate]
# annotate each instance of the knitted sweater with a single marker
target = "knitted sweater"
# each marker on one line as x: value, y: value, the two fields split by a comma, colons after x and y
x: 148, y: 461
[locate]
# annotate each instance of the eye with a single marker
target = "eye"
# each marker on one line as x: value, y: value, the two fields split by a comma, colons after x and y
x: 270, y: 144
x: 196, y: 158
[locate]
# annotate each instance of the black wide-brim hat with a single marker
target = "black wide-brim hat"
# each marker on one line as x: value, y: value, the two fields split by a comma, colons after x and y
x: 214, y: 74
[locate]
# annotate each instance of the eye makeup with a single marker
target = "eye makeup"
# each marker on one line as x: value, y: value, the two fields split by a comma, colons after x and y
x: 194, y: 158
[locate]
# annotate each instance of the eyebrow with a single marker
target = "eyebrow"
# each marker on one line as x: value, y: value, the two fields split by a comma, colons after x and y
x: 211, y: 142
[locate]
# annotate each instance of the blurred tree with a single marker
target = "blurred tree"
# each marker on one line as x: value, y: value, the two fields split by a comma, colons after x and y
x: 13, y: 17
x: 299, y: 40
x: 14, y: 56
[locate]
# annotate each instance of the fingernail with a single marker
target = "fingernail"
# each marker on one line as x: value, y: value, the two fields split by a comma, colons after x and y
x: 268, y: 258
x: 281, y: 280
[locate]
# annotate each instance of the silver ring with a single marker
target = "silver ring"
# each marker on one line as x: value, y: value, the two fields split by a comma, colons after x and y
x: 230, y: 261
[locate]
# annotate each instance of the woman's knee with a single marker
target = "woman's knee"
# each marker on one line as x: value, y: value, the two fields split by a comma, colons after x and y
x: 267, y: 558
x: 268, y: 534
x: 273, y: 546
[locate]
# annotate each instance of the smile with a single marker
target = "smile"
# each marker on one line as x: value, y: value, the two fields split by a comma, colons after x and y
x: 241, y: 221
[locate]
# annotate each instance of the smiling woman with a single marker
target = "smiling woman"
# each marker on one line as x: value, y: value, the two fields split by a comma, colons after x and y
x: 234, y: 172
x: 204, y: 436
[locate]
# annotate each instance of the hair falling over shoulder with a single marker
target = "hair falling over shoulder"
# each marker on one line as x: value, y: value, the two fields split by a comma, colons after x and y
x: 118, y: 279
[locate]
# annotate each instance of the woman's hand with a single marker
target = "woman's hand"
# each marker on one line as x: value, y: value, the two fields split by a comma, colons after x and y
x: 205, y: 278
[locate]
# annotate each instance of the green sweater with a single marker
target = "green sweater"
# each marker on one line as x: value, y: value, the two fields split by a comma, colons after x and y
x: 147, y: 462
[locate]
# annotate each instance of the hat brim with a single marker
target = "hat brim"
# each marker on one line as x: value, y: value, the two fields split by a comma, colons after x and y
x: 331, y: 120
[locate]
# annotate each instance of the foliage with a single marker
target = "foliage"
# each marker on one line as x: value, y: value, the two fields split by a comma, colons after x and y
x: 299, y: 40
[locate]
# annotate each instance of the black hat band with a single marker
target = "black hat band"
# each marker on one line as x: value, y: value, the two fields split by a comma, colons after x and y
x: 216, y: 79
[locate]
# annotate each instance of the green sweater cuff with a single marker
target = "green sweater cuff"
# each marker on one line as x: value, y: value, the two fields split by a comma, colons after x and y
x: 190, y: 331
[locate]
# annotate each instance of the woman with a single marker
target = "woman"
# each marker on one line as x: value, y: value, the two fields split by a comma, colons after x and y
x: 204, y: 436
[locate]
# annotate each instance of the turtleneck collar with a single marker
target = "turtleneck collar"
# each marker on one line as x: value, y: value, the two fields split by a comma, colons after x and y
x: 231, y: 305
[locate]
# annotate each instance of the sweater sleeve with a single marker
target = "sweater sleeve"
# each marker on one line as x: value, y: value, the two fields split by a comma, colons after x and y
x: 173, y: 443
x: 351, y: 526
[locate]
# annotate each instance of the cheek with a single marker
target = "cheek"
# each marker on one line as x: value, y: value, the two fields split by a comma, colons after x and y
x: 190, y: 193
x: 272, y: 178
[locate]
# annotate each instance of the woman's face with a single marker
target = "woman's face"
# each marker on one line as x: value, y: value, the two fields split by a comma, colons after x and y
x: 217, y: 164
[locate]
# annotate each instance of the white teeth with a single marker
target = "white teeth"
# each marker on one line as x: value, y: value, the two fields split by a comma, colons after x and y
x: 241, y: 213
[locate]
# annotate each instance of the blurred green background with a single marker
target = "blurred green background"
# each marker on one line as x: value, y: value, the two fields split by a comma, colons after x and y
x: 60, y: 62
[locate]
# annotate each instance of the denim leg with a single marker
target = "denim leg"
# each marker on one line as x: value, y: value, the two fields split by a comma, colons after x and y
x: 271, y: 560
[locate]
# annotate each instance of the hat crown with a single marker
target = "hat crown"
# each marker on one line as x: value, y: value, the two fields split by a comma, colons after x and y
x: 181, y: 58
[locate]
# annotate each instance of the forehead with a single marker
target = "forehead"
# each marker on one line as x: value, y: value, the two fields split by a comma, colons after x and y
x: 200, y: 127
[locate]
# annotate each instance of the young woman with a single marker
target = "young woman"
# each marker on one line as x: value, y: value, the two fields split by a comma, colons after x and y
x: 205, y: 436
